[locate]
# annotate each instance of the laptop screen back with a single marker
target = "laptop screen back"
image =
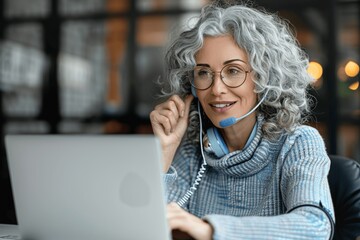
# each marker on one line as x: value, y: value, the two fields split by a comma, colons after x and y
x: 87, y: 187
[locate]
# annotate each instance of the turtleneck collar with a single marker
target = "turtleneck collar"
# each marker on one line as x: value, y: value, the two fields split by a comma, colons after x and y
x: 245, y: 162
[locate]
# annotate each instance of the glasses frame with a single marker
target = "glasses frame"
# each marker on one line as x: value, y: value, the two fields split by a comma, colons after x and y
x: 191, y: 80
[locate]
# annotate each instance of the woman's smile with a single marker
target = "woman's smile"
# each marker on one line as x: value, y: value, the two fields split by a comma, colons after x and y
x: 221, y: 106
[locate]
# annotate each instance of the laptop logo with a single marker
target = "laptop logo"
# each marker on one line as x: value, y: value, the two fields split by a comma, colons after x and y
x: 134, y: 190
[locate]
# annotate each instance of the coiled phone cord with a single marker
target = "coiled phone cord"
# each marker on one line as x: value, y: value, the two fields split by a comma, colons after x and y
x: 201, y: 171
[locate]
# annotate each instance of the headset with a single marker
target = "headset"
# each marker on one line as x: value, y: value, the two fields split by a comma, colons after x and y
x: 213, y: 142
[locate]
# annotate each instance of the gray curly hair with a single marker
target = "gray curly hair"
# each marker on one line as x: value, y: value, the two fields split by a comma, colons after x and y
x: 279, y: 64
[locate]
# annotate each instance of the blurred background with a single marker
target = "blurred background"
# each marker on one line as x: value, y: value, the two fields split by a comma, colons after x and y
x: 90, y: 67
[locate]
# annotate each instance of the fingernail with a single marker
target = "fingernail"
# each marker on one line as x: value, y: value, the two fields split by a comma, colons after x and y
x: 182, y: 113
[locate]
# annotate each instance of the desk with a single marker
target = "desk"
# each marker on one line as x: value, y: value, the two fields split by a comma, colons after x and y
x: 9, y: 232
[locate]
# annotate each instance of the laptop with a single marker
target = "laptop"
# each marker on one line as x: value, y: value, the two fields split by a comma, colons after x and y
x: 87, y: 187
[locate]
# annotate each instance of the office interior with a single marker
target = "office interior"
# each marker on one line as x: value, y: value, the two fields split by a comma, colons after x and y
x: 91, y: 66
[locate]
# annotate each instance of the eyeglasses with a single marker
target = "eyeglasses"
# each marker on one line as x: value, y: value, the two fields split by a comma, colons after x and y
x: 232, y: 75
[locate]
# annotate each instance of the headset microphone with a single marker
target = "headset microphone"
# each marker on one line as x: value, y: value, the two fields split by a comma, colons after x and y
x: 227, y: 122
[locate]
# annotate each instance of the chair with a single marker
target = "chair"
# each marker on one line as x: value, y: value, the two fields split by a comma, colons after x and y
x: 344, y: 181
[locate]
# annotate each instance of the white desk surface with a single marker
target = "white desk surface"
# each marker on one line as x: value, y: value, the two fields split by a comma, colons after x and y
x: 9, y: 232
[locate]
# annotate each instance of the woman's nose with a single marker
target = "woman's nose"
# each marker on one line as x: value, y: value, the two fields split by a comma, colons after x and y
x: 218, y: 86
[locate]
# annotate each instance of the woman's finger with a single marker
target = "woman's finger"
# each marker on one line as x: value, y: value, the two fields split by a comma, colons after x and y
x: 188, y: 224
x: 189, y: 98
x: 169, y: 119
x: 177, y: 103
x: 171, y: 111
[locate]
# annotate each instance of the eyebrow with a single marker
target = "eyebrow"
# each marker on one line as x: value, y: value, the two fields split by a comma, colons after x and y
x: 203, y: 65
x: 233, y: 60
x: 226, y: 62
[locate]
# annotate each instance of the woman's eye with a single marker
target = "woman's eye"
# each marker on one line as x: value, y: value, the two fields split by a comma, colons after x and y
x: 234, y: 71
x: 203, y: 73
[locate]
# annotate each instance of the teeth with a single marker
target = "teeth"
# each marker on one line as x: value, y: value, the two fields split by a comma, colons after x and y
x: 221, y: 105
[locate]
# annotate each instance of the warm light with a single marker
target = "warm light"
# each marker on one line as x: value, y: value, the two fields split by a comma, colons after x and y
x: 352, y: 69
x: 354, y: 86
x: 315, y: 70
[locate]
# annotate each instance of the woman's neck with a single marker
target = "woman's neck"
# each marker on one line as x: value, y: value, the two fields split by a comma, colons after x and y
x: 237, y: 135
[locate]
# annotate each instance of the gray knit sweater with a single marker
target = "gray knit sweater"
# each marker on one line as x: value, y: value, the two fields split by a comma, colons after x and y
x: 248, y: 194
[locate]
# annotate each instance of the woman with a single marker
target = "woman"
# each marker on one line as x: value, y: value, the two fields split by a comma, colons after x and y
x: 254, y: 171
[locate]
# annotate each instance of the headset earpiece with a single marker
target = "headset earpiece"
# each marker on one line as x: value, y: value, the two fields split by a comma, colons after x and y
x: 214, y: 143
x: 193, y: 91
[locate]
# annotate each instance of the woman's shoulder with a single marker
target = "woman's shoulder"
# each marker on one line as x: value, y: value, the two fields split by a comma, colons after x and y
x: 304, y: 133
x: 304, y: 140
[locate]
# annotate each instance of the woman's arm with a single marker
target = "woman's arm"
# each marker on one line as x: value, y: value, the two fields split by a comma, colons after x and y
x: 303, y: 223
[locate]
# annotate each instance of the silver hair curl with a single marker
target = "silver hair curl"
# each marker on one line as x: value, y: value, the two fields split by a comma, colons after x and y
x: 279, y: 64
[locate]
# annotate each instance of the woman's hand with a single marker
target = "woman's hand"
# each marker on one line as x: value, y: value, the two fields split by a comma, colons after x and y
x: 169, y: 122
x: 187, y: 224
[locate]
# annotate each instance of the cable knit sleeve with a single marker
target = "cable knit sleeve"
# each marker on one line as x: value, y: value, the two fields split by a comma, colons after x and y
x: 305, y: 170
x: 306, y: 223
